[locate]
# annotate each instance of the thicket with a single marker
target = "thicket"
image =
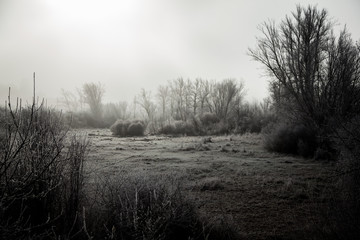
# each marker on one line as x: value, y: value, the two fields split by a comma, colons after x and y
x: 40, y: 174
x: 290, y: 139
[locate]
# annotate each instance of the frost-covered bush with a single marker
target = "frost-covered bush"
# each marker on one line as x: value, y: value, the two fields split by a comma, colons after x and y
x: 184, y: 128
x: 168, y: 129
x: 136, y: 129
x: 126, y: 128
x: 179, y: 128
x: 41, y: 174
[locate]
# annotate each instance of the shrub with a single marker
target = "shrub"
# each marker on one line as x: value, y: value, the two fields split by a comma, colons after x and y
x: 126, y: 128
x: 179, y: 128
x: 291, y: 139
x: 168, y: 129
x: 184, y: 128
x: 209, y: 118
x: 136, y: 129
x: 41, y: 174
x: 134, y: 207
x: 221, y: 128
x: 119, y: 128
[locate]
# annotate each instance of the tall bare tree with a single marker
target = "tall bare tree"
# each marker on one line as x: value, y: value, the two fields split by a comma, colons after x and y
x: 163, y: 95
x: 92, y: 94
x: 224, y: 95
x: 178, y: 92
x: 145, y: 101
x: 315, y: 75
x: 206, y: 87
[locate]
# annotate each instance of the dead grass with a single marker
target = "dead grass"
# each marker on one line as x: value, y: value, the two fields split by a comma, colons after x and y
x: 266, y: 195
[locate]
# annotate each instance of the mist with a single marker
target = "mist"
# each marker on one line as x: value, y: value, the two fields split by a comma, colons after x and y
x: 129, y: 45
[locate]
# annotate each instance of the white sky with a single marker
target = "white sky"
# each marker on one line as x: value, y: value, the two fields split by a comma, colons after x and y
x: 130, y: 44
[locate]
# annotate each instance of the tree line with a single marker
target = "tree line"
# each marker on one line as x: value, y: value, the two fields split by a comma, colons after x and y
x: 178, y: 100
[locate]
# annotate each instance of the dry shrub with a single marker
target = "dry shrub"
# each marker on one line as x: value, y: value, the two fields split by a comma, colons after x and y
x: 168, y: 129
x: 221, y: 128
x: 179, y: 128
x: 209, y: 119
x: 40, y: 174
x: 290, y: 139
x: 119, y: 128
x: 185, y: 128
x: 136, y: 129
x: 126, y: 128
x: 135, y: 207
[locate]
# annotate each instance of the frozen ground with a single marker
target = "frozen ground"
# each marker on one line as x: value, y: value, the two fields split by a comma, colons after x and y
x: 265, y: 195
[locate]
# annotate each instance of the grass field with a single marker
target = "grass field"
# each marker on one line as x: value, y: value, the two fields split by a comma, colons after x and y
x: 230, y: 178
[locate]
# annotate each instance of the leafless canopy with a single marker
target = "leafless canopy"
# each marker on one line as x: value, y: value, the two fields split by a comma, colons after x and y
x: 315, y: 75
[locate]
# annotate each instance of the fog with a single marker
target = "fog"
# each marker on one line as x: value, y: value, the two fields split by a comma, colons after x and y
x: 132, y: 44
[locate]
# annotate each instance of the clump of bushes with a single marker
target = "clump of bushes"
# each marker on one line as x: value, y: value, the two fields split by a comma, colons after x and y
x: 208, y: 119
x: 254, y: 123
x: 136, y: 129
x: 167, y: 129
x: 126, y: 128
x: 212, y: 125
x: 185, y: 128
x: 179, y: 128
x: 220, y: 128
x: 291, y: 139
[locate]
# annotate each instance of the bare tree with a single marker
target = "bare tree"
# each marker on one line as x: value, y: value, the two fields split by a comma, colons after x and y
x: 314, y: 74
x: 163, y: 95
x: 178, y: 90
x: 145, y: 101
x: 92, y: 94
x: 195, y: 95
x: 206, y: 88
x: 70, y: 101
x: 224, y: 95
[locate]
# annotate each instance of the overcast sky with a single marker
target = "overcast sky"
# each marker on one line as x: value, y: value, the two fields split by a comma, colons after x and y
x: 132, y: 44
